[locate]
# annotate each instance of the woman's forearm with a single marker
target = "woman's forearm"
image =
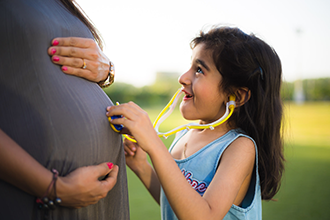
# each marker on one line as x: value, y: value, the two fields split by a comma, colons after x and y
x: 79, y: 188
x: 20, y: 169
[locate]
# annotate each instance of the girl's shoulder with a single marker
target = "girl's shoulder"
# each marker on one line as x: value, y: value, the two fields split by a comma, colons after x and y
x: 242, y: 150
x: 242, y: 138
x: 242, y: 143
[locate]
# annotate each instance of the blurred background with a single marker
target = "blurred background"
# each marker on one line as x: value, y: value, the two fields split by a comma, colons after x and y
x: 149, y: 43
x: 147, y: 36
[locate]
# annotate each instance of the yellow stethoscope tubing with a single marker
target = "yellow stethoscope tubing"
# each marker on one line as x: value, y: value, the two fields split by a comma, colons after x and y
x: 230, y: 106
x: 171, y: 105
x: 112, y: 126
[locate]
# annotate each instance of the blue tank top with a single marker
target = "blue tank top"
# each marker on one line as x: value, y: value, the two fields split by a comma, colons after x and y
x: 200, y: 177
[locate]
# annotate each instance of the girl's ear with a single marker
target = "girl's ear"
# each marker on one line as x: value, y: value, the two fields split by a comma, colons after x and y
x: 242, y: 96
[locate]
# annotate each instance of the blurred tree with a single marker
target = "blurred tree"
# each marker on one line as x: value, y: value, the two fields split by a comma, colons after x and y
x: 157, y: 94
x: 287, y: 91
x: 317, y: 89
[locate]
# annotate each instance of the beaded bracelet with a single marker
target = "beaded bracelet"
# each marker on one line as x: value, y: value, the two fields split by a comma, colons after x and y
x: 45, y: 202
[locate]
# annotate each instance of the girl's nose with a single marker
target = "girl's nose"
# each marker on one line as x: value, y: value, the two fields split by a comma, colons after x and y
x: 184, y: 79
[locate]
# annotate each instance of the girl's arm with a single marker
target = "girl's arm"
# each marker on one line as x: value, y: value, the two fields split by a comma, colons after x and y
x: 136, y: 160
x: 234, y: 171
x: 79, y: 188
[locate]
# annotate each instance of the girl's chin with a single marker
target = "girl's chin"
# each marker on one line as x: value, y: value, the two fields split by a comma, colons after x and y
x: 186, y: 112
x: 187, y: 116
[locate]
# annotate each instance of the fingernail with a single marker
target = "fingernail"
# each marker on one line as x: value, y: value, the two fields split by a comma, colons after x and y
x: 55, y: 42
x: 110, y: 165
x: 52, y: 51
x: 64, y: 68
x: 56, y: 59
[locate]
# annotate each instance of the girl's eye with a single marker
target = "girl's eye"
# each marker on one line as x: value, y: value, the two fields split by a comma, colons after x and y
x: 199, y: 70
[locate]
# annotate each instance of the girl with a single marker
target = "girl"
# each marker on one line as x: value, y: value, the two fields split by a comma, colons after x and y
x: 222, y: 173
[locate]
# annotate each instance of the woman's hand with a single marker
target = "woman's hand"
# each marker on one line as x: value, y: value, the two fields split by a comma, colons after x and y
x: 79, y: 188
x: 74, y: 53
x: 83, y: 186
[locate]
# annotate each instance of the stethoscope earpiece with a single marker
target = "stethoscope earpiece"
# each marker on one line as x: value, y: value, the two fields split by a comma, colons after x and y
x: 232, y: 103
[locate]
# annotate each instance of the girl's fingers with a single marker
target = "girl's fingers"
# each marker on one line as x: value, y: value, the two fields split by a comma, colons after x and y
x: 129, y: 147
x: 134, y: 119
x: 125, y: 131
x: 122, y: 121
x: 129, y: 110
x: 128, y: 151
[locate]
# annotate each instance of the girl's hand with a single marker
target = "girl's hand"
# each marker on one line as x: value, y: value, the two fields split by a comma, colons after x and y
x: 130, y: 147
x: 137, y: 121
x: 136, y: 158
x: 85, y: 186
x: 72, y: 52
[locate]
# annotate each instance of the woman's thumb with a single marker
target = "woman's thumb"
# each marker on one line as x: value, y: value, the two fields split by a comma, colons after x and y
x: 104, y: 169
x: 110, y: 178
x: 110, y: 165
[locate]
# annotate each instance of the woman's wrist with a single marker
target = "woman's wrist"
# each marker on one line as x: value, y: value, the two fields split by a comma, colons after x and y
x: 110, y: 77
x: 50, y: 200
x: 39, y: 185
x: 62, y: 188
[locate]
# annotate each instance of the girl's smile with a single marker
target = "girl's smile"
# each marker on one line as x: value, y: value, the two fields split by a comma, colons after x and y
x: 187, y: 96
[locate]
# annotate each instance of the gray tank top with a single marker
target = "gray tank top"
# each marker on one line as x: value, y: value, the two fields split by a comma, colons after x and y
x: 57, y: 118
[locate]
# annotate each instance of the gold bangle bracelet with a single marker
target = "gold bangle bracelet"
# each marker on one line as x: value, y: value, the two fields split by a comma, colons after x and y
x: 111, y: 77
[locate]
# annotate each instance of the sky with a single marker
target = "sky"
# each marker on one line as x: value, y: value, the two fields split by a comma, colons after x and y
x: 148, y: 36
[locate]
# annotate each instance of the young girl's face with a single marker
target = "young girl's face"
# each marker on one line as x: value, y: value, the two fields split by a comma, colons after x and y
x: 203, y: 99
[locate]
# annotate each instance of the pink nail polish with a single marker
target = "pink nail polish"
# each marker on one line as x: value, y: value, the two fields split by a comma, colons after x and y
x: 64, y: 68
x: 52, y: 51
x: 110, y: 165
x: 55, y: 42
x: 56, y: 59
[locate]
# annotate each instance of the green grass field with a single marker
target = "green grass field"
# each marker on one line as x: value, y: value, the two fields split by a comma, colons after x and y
x: 305, y: 190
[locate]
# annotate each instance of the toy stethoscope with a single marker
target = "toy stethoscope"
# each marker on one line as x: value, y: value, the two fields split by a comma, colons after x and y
x: 230, y: 106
